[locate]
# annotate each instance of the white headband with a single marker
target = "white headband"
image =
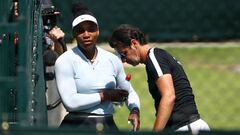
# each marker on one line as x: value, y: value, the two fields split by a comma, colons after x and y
x: 83, y: 18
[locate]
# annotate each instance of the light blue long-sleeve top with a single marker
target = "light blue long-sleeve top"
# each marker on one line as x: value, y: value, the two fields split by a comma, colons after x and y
x: 79, y: 81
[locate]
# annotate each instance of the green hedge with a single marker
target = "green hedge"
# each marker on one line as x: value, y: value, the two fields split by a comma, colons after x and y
x: 163, y: 20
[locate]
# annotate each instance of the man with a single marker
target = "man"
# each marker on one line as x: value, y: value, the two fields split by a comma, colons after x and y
x: 168, y: 84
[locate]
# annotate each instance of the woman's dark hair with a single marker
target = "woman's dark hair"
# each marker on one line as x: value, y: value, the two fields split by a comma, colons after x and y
x: 123, y: 35
x: 79, y: 9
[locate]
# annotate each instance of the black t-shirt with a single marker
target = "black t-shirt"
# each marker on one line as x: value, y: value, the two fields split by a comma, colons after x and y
x: 160, y: 62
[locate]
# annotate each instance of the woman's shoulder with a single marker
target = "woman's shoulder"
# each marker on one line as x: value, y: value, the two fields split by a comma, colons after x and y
x: 110, y: 57
x: 66, y: 56
x: 107, y: 53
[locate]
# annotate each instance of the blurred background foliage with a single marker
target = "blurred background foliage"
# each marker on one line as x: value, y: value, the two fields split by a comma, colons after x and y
x: 162, y: 20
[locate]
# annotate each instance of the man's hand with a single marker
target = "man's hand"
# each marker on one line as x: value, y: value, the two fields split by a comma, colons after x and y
x: 134, y: 118
x: 55, y: 34
x: 114, y: 95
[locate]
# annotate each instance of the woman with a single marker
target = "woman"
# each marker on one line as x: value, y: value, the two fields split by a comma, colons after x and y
x: 90, y: 79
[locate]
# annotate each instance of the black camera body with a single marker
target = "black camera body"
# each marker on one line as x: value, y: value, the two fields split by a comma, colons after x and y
x: 49, y: 16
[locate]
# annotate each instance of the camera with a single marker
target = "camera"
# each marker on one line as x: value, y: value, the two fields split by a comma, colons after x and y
x: 49, y: 19
x: 49, y: 16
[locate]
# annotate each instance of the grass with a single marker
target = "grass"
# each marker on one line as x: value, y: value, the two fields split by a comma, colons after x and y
x: 214, y: 73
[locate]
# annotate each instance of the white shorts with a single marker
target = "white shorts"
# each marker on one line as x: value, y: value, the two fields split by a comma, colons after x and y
x: 195, y: 127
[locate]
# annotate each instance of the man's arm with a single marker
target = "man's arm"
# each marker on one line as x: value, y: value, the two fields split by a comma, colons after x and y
x: 165, y: 108
x: 57, y: 36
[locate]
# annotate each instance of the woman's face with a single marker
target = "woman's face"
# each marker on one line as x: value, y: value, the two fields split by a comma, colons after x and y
x: 86, y: 34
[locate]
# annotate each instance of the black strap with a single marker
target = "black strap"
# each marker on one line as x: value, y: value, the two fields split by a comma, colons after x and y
x: 54, y: 104
x: 189, y: 128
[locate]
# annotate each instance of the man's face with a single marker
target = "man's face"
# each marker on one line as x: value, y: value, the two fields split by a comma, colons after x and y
x: 129, y: 54
x: 86, y: 34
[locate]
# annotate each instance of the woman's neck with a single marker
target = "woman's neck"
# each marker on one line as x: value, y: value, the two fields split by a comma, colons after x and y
x: 90, y: 53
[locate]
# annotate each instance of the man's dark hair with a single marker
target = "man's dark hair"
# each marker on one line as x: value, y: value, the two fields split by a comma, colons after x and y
x: 123, y: 35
